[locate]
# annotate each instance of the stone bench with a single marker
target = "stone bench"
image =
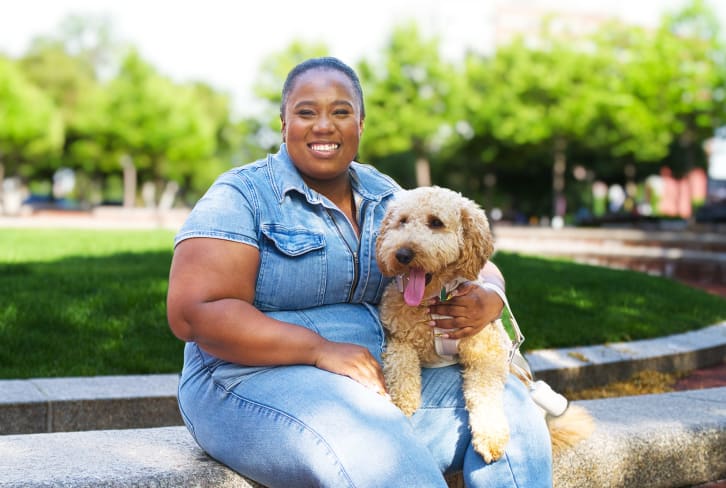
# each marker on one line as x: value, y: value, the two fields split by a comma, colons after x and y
x: 666, y: 440
x: 41, y: 405
x: 45, y: 405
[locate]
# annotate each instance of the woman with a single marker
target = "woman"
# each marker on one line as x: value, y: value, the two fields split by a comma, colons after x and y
x: 274, y: 287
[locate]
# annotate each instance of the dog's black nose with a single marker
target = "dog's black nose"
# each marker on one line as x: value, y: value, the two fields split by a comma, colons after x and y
x: 404, y: 255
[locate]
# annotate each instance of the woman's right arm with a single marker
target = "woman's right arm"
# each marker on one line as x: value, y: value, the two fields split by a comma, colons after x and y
x: 211, y: 291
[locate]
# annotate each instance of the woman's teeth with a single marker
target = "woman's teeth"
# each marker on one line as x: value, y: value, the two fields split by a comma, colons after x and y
x: 324, y: 147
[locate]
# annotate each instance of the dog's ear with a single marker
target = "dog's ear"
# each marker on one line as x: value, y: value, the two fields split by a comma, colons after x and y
x: 478, y: 245
x: 386, y: 223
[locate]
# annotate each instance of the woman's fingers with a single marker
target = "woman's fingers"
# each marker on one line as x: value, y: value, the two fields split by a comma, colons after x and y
x: 353, y: 361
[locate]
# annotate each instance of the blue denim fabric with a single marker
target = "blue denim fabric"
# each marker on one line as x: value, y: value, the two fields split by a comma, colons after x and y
x: 309, y: 252
x: 297, y: 426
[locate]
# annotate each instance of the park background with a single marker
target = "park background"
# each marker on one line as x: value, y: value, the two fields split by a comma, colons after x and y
x: 554, y: 113
x: 560, y: 116
x: 544, y: 112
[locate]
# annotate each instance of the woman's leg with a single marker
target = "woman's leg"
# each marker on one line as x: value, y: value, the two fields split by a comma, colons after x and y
x: 301, y: 426
x: 442, y: 424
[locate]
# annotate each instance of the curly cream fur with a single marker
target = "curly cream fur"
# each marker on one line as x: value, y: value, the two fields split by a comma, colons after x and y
x: 450, y: 238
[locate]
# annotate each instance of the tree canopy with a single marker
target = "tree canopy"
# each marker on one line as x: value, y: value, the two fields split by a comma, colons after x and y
x: 511, y: 127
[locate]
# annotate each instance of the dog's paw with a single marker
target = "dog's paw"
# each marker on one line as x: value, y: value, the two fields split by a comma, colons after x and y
x: 407, y: 405
x: 489, y: 449
x: 490, y: 437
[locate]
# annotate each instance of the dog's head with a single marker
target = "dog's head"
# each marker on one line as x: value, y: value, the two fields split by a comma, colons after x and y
x: 432, y: 230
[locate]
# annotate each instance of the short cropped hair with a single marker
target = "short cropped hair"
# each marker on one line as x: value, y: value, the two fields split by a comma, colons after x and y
x: 322, y: 63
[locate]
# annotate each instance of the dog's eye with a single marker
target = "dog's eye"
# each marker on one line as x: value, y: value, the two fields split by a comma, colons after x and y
x: 403, y: 220
x: 435, y: 222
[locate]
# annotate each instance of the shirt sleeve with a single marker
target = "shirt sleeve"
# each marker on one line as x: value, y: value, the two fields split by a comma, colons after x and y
x: 224, y: 212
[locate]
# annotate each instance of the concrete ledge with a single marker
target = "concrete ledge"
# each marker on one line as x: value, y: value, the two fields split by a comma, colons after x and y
x: 88, y: 403
x: 587, y: 366
x: 692, y: 255
x: 143, y: 401
x: 668, y: 440
x: 158, y: 457
x: 680, y: 239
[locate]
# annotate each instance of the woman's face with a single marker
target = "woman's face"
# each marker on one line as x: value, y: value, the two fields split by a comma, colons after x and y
x: 322, y: 125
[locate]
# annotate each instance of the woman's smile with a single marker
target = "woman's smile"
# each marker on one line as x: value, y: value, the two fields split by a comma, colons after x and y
x: 322, y: 126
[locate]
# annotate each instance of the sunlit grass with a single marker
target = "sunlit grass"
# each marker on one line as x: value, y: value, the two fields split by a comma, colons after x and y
x: 92, y: 302
x: 560, y: 303
x: 85, y: 303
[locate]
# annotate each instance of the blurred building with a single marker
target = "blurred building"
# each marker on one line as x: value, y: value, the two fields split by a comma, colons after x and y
x: 525, y: 18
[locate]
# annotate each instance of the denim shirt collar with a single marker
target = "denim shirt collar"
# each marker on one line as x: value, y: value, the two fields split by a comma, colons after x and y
x: 285, y: 177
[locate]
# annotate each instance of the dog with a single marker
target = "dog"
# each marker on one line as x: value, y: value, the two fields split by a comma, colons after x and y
x: 432, y: 239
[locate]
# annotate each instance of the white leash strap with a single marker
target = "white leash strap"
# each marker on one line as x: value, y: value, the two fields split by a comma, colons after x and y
x: 541, y: 393
x: 518, y: 338
x: 545, y: 397
x: 447, y: 348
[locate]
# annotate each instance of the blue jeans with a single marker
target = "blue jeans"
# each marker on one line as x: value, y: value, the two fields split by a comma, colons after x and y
x: 298, y: 426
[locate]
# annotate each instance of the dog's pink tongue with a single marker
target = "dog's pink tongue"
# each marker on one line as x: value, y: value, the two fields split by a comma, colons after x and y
x: 414, y: 292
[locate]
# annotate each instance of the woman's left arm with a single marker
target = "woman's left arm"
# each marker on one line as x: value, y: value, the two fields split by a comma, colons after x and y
x: 471, y: 306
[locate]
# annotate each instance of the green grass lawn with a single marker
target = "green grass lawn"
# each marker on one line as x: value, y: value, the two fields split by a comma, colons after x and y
x: 85, y: 302
x: 91, y: 302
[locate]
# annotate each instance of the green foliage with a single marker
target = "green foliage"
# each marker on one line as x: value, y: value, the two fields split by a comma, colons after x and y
x: 31, y: 126
x: 92, y: 303
x: 71, y: 83
x: 162, y: 126
x: 412, y: 81
x: 505, y: 127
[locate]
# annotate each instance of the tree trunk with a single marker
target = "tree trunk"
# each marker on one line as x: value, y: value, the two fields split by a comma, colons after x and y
x: 127, y: 163
x: 423, y: 172
x: 2, y: 185
x: 559, y: 204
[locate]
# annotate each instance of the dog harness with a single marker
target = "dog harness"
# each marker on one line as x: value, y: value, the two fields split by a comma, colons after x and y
x: 542, y: 394
x: 448, y: 348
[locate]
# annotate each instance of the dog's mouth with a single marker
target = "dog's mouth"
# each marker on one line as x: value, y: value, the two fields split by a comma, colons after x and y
x: 413, y: 285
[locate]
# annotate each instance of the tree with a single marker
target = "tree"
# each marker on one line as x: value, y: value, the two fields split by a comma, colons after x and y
x: 71, y: 83
x: 412, y: 102
x: 68, y: 64
x: 31, y: 127
x: 566, y: 97
x: 689, y: 43
x: 156, y: 128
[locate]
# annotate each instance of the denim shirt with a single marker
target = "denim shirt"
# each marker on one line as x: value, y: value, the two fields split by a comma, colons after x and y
x: 309, y: 252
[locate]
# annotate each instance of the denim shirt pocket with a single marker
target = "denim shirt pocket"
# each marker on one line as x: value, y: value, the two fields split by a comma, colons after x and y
x: 293, y: 268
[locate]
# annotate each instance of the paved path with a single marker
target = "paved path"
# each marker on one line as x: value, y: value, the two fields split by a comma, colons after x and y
x: 712, y: 377
x: 713, y: 288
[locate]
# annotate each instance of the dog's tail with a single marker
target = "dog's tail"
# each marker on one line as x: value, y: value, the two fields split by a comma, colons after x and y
x: 573, y: 426
x: 568, y: 424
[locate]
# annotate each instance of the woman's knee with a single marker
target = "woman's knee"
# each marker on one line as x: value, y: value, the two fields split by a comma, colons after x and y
x: 340, y: 435
x: 528, y: 456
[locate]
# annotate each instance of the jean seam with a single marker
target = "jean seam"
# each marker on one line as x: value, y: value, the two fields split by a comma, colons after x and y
x: 511, y: 470
x: 296, y: 421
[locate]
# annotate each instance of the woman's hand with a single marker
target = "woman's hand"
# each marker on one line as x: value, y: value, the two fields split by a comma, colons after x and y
x: 470, y: 307
x: 353, y: 361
